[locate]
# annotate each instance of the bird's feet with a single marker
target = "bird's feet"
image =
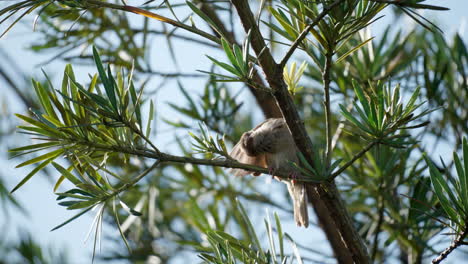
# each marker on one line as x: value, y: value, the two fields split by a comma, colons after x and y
x: 294, y: 176
x: 272, y: 172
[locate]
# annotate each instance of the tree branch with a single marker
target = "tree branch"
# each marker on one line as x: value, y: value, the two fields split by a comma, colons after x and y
x: 456, y: 243
x: 165, y: 157
x: 327, y: 192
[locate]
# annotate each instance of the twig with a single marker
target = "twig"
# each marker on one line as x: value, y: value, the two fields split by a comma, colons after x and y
x: 139, y: 133
x: 350, y: 162
x: 306, y: 30
x: 326, y: 89
x: 456, y: 243
x: 379, y: 224
x: 129, y: 184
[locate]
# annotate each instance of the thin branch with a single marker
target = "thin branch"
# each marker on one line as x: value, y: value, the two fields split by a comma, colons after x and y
x: 139, y: 133
x: 165, y: 157
x: 306, y: 30
x: 350, y: 162
x: 131, y: 183
x: 326, y: 89
x: 456, y: 243
x: 379, y: 224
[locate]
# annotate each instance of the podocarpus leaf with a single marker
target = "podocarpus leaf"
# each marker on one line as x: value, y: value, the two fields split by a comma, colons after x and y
x: 441, y: 189
x: 66, y: 173
x: 72, y: 218
x: 106, y: 80
x: 33, y: 172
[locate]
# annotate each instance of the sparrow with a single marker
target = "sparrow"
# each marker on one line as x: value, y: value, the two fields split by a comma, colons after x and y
x: 271, y: 145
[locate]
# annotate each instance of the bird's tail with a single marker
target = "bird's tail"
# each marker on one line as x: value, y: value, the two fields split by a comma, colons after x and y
x: 298, y: 193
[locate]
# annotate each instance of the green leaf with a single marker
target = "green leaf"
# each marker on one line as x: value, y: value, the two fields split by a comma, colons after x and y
x: 409, y: 106
x: 205, y: 18
x: 82, y: 204
x: 66, y: 173
x: 362, y: 98
x: 440, y: 189
x: 463, y: 184
x: 44, y: 99
x: 353, y: 120
x: 229, y: 54
x: 46, y: 129
x: 280, y: 235
x: 35, y: 146
x: 129, y: 209
x: 108, y: 84
x: 349, y: 52
x: 251, y: 229
x: 52, y: 154
x: 113, y: 88
x: 225, y: 66
x: 72, y: 218
x: 150, y: 118
x: 270, y: 237
x: 116, y: 217
x: 239, y: 57
x: 58, y: 183
x: 295, y: 249
x: 136, y: 103
x: 32, y: 173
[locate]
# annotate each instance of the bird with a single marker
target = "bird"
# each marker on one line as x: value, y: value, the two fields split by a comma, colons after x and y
x: 271, y: 145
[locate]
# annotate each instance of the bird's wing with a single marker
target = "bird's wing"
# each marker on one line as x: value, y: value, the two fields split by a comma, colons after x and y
x: 240, y: 155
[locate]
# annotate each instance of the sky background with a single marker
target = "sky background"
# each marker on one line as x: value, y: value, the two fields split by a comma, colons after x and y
x: 37, y: 196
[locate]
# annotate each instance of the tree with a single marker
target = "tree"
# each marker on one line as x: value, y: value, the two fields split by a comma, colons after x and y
x: 355, y: 109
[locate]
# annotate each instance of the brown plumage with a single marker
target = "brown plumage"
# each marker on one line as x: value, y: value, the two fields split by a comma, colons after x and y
x: 270, y: 145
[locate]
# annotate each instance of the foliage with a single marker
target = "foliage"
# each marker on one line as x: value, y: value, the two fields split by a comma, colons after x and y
x: 101, y: 138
